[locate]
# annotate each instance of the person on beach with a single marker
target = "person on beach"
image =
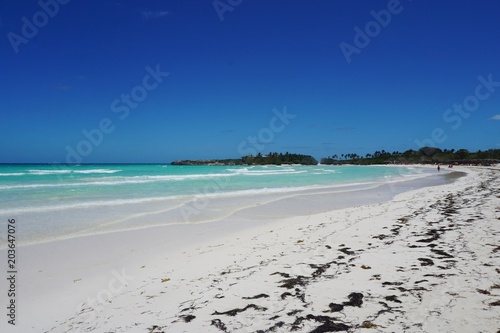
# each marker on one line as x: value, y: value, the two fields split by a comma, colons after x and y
x: 439, y: 168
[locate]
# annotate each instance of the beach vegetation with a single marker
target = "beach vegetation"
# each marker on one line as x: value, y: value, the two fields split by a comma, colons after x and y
x: 424, y: 155
x: 259, y: 159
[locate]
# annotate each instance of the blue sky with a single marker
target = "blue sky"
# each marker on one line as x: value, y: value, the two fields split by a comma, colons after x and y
x: 156, y: 81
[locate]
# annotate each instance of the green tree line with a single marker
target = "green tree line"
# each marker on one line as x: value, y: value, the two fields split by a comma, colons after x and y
x: 279, y: 158
x: 423, y: 155
x: 259, y: 159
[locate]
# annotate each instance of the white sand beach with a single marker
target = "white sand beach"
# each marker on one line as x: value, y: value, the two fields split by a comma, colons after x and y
x: 427, y: 260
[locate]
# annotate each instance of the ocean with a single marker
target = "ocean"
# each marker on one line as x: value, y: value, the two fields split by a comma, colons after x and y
x: 52, y: 202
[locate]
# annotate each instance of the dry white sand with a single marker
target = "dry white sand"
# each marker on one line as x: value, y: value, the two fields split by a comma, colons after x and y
x: 426, y: 261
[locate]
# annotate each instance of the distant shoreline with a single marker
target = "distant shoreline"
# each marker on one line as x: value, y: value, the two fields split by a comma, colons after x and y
x: 270, y: 159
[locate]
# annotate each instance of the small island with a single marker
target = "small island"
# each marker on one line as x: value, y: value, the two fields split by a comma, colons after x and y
x: 270, y: 159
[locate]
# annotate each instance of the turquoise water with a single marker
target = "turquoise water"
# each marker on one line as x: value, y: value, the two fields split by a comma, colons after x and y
x: 61, y: 200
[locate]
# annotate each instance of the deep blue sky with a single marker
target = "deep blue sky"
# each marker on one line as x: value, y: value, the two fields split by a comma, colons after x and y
x: 226, y: 77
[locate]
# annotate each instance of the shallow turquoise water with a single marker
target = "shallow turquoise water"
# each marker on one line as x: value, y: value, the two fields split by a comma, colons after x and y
x: 34, y: 186
x: 58, y: 200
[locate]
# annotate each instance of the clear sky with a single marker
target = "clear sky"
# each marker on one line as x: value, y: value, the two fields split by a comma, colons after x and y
x: 155, y: 81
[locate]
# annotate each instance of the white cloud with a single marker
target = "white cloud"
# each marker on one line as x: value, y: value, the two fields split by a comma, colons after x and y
x: 153, y: 14
x: 495, y: 117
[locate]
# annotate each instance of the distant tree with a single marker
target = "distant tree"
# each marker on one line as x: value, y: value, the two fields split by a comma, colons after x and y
x: 409, y: 153
x: 423, y: 155
x: 481, y: 155
x: 462, y: 154
x: 429, y: 151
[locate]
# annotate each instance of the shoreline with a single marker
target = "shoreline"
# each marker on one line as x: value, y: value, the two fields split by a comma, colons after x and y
x: 50, y: 276
x: 208, y: 207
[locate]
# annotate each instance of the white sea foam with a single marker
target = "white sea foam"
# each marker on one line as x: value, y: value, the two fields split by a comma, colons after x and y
x: 48, y: 172
x: 178, y: 198
x: 184, y: 177
x: 97, y: 171
x: 12, y: 174
x: 328, y: 170
x: 272, y: 172
x: 114, y: 181
x: 67, y: 171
